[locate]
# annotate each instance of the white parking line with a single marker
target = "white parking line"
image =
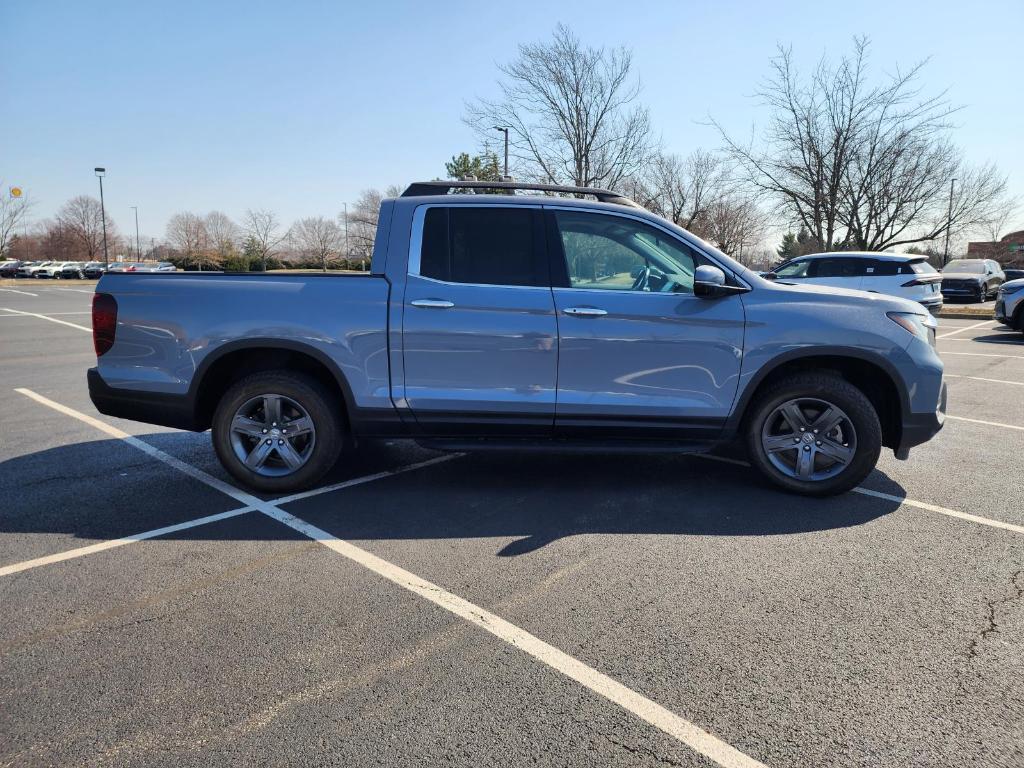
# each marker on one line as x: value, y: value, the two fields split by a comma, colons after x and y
x: 902, y: 500
x: 696, y: 738
x: 647, y: 710
x: 46, y: 317
x: 23, y: 293
x: 993, y: 341
x: 982, y: 378
x: 980, y: 354
x: 965, y: 328
x: 987, y: 423
x: 102, y: 546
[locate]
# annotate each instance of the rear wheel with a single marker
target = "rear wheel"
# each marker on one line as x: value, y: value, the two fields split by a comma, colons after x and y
x: 278, y: 431
x: 815, y: 434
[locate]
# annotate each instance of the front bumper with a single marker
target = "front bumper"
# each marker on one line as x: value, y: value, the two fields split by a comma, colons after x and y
x: 921, y: 427
x: 962, y: 291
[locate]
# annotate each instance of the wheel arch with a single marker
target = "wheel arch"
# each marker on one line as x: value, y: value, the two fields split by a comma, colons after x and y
x: 872, y: 374
x: 234, y: 360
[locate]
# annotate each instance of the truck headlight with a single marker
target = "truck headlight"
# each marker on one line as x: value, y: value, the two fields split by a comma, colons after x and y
x: 922, y: 326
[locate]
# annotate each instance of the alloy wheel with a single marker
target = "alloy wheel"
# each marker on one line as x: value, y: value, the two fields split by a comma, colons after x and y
x: 809, y: 439
x: 272, y: 435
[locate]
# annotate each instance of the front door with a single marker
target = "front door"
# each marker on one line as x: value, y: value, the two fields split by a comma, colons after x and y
x: 639, y: 354
x: 479, y: 335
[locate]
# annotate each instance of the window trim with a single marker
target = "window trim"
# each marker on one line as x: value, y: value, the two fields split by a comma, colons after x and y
x: 416, y: 244
x: 563, y: 266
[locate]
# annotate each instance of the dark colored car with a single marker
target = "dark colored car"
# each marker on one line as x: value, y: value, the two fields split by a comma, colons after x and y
x: 971, y: 279
x: 1013, y: 274
x: 93, y: 270
x: 10, y: 268
x: 72, y: 271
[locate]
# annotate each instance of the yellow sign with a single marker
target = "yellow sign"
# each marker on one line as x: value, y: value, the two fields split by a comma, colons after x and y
x: 15, y: 191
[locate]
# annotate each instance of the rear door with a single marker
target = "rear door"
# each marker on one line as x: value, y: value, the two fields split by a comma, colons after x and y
x: 639, y: 354
x: 480, y: 337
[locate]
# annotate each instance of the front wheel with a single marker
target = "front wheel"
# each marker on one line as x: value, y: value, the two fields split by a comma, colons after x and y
x: 278, y: 431
x: 814, y: 434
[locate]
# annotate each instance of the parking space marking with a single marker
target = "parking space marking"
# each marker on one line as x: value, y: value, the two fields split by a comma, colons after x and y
x: 696, y: 738
x: 992, y: 341
x: 103, y: 546
x: 986, y: 423
x: 941, y: 510
x: 23, y: 293
x: 981, y: 354
x: 649, y: 711
x: 55, y: 314
x: 902, y: 500
x: 965, y: 328
x: 982, y: 378
x: 46, y: 317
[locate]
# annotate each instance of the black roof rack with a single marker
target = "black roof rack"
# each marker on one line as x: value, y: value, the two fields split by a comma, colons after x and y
x: 443, y: 186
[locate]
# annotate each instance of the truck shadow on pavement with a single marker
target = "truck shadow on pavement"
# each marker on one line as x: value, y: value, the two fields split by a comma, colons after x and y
x: 105, y: 490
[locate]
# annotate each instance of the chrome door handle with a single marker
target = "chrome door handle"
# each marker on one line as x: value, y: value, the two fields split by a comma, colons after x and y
x: 433, y: 303
x: 584, y: 311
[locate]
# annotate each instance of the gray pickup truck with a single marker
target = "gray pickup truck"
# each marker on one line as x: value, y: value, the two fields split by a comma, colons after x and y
x: 495, y: 319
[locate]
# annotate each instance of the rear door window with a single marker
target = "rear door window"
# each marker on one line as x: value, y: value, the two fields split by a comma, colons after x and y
x: 484, y: 245
x: 841, y: 267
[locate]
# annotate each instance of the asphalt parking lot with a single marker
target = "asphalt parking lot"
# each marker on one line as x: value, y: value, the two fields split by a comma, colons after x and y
x: 427, y: 609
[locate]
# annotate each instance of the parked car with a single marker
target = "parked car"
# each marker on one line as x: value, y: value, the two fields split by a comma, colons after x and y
x: 118, y: 266
x: 976, y: 279
x: 52, y: 270
x: 92, y: 270
x: 1013, y: 274
x: 151, y: 266
x: 10, y: 267
x: 29, y: 269
x: 72, y: 270
x: 482, y: 325
x: 1010, y: 304
x: 894, y: 274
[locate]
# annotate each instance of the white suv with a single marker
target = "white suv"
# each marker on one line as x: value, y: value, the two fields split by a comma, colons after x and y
x: 907, y: 276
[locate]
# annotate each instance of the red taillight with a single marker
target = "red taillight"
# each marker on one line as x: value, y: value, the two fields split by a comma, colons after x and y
x: 104, y: 322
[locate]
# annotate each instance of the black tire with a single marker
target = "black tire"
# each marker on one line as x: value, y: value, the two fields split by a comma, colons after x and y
x: 831, y: 389
x: 324, y: 408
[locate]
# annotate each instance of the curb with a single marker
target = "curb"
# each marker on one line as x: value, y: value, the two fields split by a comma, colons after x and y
x: 967, y: 314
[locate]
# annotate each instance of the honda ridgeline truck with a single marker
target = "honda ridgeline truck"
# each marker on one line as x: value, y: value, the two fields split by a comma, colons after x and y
x: 494, y: 319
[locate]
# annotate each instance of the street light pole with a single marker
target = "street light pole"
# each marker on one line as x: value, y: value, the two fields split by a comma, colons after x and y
x: 949, y: 222
x: 505, y: 131
x: 138, y: 245
x: 100, y: 172
x: 348, y: 253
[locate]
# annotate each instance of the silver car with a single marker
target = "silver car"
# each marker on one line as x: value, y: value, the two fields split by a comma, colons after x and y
x: 1010, y: 304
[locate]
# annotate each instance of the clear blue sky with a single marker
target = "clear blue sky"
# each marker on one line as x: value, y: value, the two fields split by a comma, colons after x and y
x: 298, y: 106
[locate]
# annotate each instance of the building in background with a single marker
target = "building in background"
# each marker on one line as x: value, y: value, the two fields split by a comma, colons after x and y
x: 1008, y: 251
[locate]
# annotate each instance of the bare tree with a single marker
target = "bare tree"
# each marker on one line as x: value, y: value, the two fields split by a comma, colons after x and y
x: 13, y: 212
x: 317, y: 238
x: 571, y: 112
x: 222, y: 235
x: 82, y: 221
x: 860, y: 165
x: 736, y: 224
x: 680, y: 189
x: 186, y: 232
x: 361, y: 223
x: 264, y: 232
